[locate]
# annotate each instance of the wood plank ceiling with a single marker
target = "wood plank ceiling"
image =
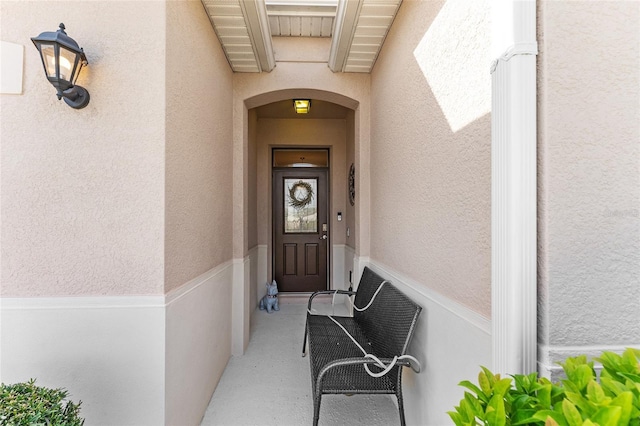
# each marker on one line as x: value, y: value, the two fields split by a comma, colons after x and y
x: 296, y: 20
x: 357, y: 29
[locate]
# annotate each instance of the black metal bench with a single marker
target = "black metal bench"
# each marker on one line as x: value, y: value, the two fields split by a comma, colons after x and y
x: 384, y: 330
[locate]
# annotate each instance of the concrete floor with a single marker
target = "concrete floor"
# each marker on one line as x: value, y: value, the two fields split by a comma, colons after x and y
x: 271, y: 384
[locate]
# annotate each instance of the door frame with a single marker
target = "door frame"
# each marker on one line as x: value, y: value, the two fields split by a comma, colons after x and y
x: 271, y: 250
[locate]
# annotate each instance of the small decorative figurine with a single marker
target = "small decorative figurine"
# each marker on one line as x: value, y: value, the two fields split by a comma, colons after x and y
x: 270, y: 300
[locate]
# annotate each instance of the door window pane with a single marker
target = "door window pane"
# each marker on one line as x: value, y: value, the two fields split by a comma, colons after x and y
x: 300, y: 206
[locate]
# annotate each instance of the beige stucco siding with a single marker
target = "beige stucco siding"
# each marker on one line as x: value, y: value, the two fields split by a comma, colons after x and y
x: 83, y: 190
x: 589, y: 174
x: 253, y: 179
x: 430, y: 150
x: 198, y: 148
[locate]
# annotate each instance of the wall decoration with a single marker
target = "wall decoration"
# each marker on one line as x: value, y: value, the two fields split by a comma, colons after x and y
x: 352, y: 184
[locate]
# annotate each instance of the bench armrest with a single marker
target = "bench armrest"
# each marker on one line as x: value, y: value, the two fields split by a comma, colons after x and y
x: 360, y: 361
x: 346, y: 292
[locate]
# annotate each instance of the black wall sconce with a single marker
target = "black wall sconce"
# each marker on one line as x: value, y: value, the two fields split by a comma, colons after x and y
x: 63, y: 59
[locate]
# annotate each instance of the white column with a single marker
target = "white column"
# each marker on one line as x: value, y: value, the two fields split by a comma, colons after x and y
x: 240, y: 302
x: 514, y: 203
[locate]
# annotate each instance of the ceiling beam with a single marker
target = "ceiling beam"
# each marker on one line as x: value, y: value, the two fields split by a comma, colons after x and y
x: 343, y: 29
x: 255, y: 13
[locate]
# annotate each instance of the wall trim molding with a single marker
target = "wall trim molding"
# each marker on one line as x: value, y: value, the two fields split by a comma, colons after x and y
x: 193, y: 284
x: 477, y: 320
x: 550, y: 355
x: 112, y: 302
x: 345, y: 247
x: 81, y: 302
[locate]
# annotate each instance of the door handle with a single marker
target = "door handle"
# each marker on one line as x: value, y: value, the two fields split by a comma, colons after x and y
x: 324, y: 237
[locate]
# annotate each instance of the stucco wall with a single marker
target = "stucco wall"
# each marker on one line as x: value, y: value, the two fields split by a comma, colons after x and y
x: 198, y: 212
x: 252, y: 186
x: 430, y: 150
x: 589, y: 175
x: 82, y: 202
x: 198, y: 146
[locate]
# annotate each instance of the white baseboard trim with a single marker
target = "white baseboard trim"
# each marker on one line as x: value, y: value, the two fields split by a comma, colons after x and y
x: 549, y: 357
x: 80, y: 302
x: 110, y: 302
x: 461, y: 311
x: 338, y: 267
x: 240, y: 309
x: 263, y: 263
x: 254, y: 270
x: 258, y: 256
x: 193, y: 284
x: 349, y: 259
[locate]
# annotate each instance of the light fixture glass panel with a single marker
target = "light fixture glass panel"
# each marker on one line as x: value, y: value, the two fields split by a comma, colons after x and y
x: 302, y: 106
x: 67, y: 62
x: 300, y: 206
x: 49, y: 58
x: 300, y: 158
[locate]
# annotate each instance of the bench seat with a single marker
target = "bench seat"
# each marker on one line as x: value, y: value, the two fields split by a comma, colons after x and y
x: 330, y: 344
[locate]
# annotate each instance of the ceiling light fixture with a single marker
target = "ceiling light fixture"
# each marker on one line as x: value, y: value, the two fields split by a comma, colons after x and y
x: 302, y: 106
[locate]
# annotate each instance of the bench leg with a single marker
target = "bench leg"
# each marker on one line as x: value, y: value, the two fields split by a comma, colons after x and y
x: 401, y: 408
x: 304, y: 342
x: 316, y: 409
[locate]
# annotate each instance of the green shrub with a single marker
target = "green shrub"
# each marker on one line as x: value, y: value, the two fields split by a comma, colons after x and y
x: 579, y: 400
x: 28, y: 404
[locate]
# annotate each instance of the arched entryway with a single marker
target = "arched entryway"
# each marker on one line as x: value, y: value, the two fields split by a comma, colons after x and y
x: 269, y: 122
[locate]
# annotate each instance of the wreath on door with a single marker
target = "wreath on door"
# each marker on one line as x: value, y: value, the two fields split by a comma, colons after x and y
x: 300, y: 194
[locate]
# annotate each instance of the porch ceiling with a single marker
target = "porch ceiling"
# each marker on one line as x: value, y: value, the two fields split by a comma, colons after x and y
x: 357, y: 29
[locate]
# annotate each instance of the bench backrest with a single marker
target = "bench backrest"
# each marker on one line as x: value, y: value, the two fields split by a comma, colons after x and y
x: 390, y: 321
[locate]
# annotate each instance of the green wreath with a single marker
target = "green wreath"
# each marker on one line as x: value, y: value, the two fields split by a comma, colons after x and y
x: 301, y: 202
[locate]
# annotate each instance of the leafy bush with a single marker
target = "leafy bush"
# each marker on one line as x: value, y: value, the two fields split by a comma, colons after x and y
x: 28, y: 404
x: 579, y: 400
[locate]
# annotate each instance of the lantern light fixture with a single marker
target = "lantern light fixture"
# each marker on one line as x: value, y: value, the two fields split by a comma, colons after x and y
x: 302, y: 106
x: 63, y: 60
